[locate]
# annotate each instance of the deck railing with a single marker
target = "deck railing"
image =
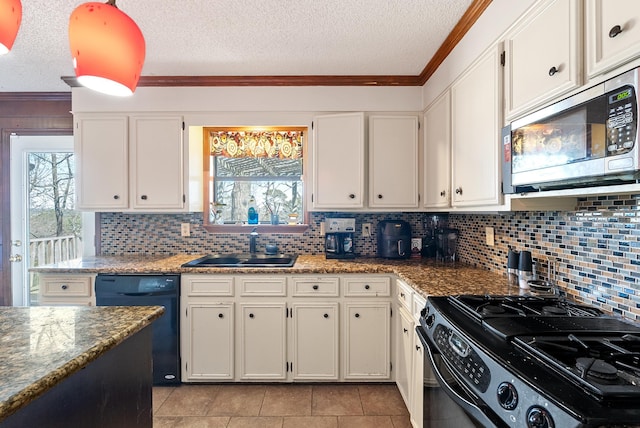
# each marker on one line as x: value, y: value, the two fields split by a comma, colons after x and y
x: 55, y: 249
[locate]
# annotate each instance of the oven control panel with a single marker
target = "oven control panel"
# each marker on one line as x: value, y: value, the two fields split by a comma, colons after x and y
x: 466, y: 361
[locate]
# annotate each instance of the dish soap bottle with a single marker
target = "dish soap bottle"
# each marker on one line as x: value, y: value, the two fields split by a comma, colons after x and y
x: 252, y: 213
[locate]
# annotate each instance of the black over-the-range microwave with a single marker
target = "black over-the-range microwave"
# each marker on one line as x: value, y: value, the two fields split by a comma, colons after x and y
x: 588, y: 139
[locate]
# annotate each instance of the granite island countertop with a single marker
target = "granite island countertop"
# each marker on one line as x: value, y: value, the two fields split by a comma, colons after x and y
x: 426, y: 276
x: 42, y: 346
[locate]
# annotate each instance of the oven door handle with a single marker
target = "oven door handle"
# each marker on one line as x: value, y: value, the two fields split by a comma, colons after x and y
x: 473, y: 408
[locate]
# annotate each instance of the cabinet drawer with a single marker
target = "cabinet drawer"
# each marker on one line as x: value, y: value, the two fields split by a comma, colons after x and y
x: 66, y: 286
x: 363, y: 287
x: 262, y: 286
x: 418, y: 304
x: 309, y: 287
x: 209, y: 285
x: 405, y: 294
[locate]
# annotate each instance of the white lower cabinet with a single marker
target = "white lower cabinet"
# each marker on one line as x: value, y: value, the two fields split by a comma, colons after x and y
x: 67, y: 290
x: 314, y: 341
x: 262, y: 341
x: 285, y: 328
x: 418, y: 377
x: 366, y: 340
x: 404, y: 354
x: 210, y: 343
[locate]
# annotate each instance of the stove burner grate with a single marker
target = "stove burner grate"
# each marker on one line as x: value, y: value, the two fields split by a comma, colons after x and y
x: 593, y: 367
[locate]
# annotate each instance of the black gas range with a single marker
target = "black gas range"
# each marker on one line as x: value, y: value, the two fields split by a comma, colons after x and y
x: 530, y: 361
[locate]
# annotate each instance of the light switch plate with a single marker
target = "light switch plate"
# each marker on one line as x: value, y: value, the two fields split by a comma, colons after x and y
x: 490, y: 236
x: 185, y: 229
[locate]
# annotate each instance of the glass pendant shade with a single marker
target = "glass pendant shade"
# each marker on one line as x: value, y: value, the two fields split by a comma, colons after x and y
x: 10, y: 17
x: 107, y: 47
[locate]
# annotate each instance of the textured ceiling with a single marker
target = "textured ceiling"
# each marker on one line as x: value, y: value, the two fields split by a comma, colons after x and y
x: 244, y: 38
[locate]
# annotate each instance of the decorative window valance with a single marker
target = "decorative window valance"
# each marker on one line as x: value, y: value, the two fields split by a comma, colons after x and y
x: 283, y: 144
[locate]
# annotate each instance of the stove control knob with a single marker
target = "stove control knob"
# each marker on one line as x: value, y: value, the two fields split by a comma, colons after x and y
x: 507, y: 396
x: 430, y: 320
x: 538, y: 417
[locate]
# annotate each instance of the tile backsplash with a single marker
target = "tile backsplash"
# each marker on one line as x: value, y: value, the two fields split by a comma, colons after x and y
x: 596, y: 248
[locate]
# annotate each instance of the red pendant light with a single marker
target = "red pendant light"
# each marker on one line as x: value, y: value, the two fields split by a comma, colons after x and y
x: 10, y: 17
x: 107, y: 48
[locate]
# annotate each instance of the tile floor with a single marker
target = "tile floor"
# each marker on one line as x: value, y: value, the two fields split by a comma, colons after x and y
x: 280, y: 405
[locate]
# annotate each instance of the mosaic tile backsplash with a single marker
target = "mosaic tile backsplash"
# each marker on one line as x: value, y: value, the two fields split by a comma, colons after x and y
x: 596, y: 248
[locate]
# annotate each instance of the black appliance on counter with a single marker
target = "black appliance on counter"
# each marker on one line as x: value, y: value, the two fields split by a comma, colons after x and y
x: 394, y: 239
x: 339, y: 236
x: 150, y: 290
x: 529, y: 361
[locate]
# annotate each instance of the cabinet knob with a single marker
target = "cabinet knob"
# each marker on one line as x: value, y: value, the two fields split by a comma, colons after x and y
x: 552, y: 71
x: 615, y: 30
x: 64, y: 286
x: 417, y: 348
x: 357, y: 315
x: 379, y: 196
x: 220, y: 315
x: 366, y: 287
x: 251, y: 315
x: 459, y: 191
x: 315, y: 287
x: 143, y: 197
x: 326, y: 315
x: 402, y: 295
x: 405, y: 330
x: 443, y: 193
x: 352, y: 196
x: 116, y: 197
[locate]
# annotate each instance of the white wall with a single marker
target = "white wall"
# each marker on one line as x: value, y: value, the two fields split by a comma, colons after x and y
x: 495, y: 20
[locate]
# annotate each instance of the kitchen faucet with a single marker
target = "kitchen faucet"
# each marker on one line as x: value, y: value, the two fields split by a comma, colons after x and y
x: 252, y: 240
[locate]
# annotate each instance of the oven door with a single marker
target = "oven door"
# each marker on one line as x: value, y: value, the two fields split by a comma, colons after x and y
x: 449, y: 404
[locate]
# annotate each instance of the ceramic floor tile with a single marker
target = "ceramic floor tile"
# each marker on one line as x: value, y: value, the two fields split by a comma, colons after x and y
x: 364, y: 422
x: 382, y: 400
x: 159, y: 395
x: 190, y: 422
x: 256, y: 422
x: 310, y: 422
x: 400, y: 421
x: 336, y: 400
x: 237, y: 400
x: 188, y: 400
x: 287, y: 400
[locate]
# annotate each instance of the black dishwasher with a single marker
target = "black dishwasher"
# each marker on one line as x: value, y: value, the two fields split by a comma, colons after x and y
x: 150, y: 290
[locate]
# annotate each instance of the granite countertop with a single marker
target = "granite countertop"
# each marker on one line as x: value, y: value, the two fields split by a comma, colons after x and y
x: 42, y: 346
x: 426, y: 276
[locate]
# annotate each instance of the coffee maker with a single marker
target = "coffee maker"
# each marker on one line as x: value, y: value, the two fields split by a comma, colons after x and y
x: 339, y: 234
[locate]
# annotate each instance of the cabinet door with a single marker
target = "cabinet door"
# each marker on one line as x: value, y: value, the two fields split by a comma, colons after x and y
x: 393, y: 162
x: 366, y: 340
x: 208, y: 341
x: 543, y: 55
x: 315, y: 341
x: 404, y: 355
x: 475, y: 134
x: 157, y: 162
x: 338, y: 161
x: 613, y: 34
x: 417, y: 383
x: 102, y: 162
x: 437, y: 153
x: 262, y: 349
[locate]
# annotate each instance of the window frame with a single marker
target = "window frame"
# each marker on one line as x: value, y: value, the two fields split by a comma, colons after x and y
x: 209, y: 180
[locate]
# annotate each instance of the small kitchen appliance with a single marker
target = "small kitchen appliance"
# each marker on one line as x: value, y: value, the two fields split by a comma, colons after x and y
x: 394, y: 239
x: 446, y: 244
x: 529, y: 361
x: 588, y: 139
x: 339, y: 235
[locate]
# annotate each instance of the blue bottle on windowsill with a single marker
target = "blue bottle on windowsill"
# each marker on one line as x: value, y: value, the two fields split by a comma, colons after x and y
x: 252, y: 212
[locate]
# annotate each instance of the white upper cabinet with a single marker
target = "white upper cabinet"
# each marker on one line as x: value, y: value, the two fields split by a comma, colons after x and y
x: 543, y: 55
x: 437, y: 153
x: 393, y: 162
x: 101, y: 145
x: 338, y: 161
x: 129, y: 162
x: 157, y: 161
x: 612, y: 34
x: 476, y: 101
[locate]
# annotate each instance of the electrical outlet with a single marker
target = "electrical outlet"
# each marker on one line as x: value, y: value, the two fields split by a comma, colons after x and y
x: 366, y: 229
x: 489, y: 236
x: 185, y: 229
x: 322, y: 226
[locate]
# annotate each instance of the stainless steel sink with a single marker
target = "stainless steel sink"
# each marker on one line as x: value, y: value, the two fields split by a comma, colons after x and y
x: 243, y: 260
